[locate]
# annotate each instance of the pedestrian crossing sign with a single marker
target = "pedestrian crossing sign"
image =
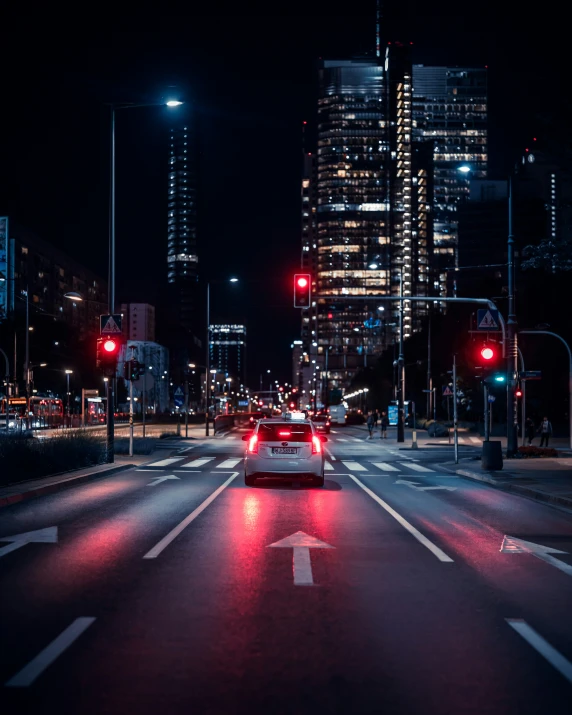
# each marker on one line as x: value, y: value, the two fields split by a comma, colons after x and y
x: 110, y: 324
x: 447, y: 392
x: 488, y: 319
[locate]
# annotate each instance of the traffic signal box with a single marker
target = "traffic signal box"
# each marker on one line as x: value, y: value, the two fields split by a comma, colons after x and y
x: 302, y: 290
x: 133, y: 370
x: 490, y: 359
x: 107, y: 352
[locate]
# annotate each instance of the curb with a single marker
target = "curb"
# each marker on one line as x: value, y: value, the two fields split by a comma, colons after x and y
x: 65, y: 483
x: 516, y: 488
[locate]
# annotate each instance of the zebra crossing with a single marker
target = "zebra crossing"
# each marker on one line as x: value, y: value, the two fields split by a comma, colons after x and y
x: 214, y: 463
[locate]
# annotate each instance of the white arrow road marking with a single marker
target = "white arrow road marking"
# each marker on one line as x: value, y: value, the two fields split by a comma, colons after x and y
x: 158, y: 480
x: 48, y: 535
x: 433, y: 548
x: 354, y: 466
x: 328, y: 467
x: 385, y: 467
x: 416, y: 467
x: 228, y: 464
x: 301, y: 543
x: 416, y: 485
x: 46, y: 657
x: 512, y: 545
x: 166, y: 540
x: 166, y: 462
x: 556, y: 659
x: 199, y: 462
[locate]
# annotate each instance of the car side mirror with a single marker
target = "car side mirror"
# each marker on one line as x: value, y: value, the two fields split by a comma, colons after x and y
x: 245, y: 437
x: 324, y: 439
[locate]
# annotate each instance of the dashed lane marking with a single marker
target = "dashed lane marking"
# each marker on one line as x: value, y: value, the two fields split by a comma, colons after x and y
x: 165, y: 462
x: 555, y: 658
x: 328, y: 467
x: 228, y: 464
x: 385, y: 467
x: 199, y: 462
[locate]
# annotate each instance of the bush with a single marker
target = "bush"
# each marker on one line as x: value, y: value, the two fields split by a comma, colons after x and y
x: 537, y: 452
x: 141, y: 445
x: 22, y: 458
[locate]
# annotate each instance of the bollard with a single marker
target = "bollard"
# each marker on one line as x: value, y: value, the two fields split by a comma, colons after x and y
x: 414, y: 442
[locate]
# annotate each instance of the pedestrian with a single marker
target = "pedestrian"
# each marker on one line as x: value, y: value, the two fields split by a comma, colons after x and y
x: 384, y: 425
x: 545, y: 432
x: 375, y: 418
x: 370, y: 423
x: 529, y: 430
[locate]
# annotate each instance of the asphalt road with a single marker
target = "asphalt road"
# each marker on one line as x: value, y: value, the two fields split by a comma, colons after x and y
x: 165, y: 594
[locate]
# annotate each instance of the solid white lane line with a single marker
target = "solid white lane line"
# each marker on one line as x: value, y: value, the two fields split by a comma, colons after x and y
x: 354, y: 466
x: 334, y: 431
x: 199, y: 462
x: 46, y: 657
x: 433, y: 548
x: 385, y: 467
x: 416, y: 467
x: 166, y: 462
x: 556, y: 659
x: 228, y: 464
x: 166, y: 540
x: 330, y: 455
x: 328, y: 467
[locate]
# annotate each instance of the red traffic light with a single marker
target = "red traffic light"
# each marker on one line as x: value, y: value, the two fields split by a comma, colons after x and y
x: 302, y: 290
x: 110, y: 346
x: 518, y: 393
x: 487, y: 353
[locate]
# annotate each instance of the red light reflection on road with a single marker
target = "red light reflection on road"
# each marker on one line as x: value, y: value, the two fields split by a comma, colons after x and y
x: 251, y: 511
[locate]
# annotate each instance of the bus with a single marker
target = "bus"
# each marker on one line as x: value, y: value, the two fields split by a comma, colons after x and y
x: 45, y: 411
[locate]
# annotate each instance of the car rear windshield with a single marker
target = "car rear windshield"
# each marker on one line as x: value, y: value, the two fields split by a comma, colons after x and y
x: 320, y: 418
x: 285, y: 432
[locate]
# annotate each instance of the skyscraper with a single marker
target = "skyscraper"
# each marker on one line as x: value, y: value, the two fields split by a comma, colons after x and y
x: 450, y: 110
x: 227, y: 347
x: 181, y: 325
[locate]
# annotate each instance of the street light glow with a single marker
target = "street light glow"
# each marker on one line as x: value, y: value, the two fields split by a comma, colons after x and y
x: 373, y: 266
x: 69, y: 372
x: 464, y: 169
x: 73, y: 295
x: 173, y: 103
x: 234, y: 280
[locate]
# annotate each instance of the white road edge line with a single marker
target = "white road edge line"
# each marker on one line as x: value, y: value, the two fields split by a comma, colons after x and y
x: 433, y: 548
x: 556, y: 659
x: 166, y: 540
x: 46, y: 657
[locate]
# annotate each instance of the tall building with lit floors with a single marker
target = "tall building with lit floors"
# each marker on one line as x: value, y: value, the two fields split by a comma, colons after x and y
x: 182, y: 260
x: 450, y: 110
x: 227, y: 345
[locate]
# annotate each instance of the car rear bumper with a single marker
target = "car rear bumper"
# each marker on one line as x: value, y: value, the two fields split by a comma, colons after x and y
x: 273, y: 467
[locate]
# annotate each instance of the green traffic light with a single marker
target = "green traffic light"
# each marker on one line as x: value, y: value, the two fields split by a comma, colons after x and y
x: 499, y: 378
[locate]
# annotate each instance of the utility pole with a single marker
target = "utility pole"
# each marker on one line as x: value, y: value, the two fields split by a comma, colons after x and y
x: 512, y: 345
x: 429, y: 377
x: 207, y: 362
x: 186, y: 403
x: 27, y: 355
x: 401, y: 370
x: 455, y: 423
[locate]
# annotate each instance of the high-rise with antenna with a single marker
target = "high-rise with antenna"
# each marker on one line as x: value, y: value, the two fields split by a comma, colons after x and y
x: 378, y: 13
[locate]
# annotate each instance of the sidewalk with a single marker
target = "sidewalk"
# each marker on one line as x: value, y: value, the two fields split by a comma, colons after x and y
x: 20, y: 491
x: 548, y: 480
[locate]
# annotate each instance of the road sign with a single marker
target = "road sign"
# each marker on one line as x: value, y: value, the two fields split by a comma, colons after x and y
x: 492, y: 398
x: 488, y: 319
x: 91, y: 393
x: 110, y: 324
x: 530, y: 375
x: 447, y: 392
x: 179, y: 397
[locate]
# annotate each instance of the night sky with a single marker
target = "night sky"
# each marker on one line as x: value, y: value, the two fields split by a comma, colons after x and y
x: 250, y: 79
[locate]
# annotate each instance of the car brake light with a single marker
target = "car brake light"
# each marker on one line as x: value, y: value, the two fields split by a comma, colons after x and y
x: 285, y: 434
x: 316, y: 445
x: 253, y: 444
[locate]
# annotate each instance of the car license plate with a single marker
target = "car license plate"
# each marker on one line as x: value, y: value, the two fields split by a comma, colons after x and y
x: 284, y: 450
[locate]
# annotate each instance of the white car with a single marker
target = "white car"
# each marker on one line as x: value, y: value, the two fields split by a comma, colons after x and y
x: 284, y: 449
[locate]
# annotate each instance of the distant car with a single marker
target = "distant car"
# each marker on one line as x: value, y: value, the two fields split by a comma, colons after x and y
x: 12, y: 421
x: 284, y: 449
x: 322, y: 423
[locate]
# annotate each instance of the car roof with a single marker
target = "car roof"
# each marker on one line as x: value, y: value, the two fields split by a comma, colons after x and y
x: 285, y: 423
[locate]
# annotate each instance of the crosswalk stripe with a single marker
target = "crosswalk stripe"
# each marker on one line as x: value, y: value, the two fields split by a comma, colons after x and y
x: 228, y: 464
x: 355, y: 466
x: 328, y: 467
x: 416, y: 467
x: 199, y: 462
x: 385, y: 467
x: 356, y: 439
x: 165, y: 462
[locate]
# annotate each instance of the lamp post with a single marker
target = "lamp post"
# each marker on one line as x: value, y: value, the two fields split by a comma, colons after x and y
x: 68, y: 373
x: 401, y: 370
x: 111, y: 286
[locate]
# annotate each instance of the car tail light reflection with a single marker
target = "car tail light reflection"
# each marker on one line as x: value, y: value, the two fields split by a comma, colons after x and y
x: 285, y: 434
x: 316, y: 445
x: 253, y: 444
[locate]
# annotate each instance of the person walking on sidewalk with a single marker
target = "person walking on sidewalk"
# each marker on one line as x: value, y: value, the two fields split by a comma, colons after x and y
x: 370, y: 423
x: 384, y: 425
x: 529, y: 430
x: 545, y: 432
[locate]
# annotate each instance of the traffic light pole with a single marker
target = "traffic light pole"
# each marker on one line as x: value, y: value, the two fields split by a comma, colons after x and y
x: 110, y: 437
x: 512, y: 345
x: 207, y: 361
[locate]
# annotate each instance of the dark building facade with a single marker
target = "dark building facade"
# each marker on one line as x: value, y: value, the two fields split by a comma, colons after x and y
x: 227, y: 346
x: 450, y: 110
